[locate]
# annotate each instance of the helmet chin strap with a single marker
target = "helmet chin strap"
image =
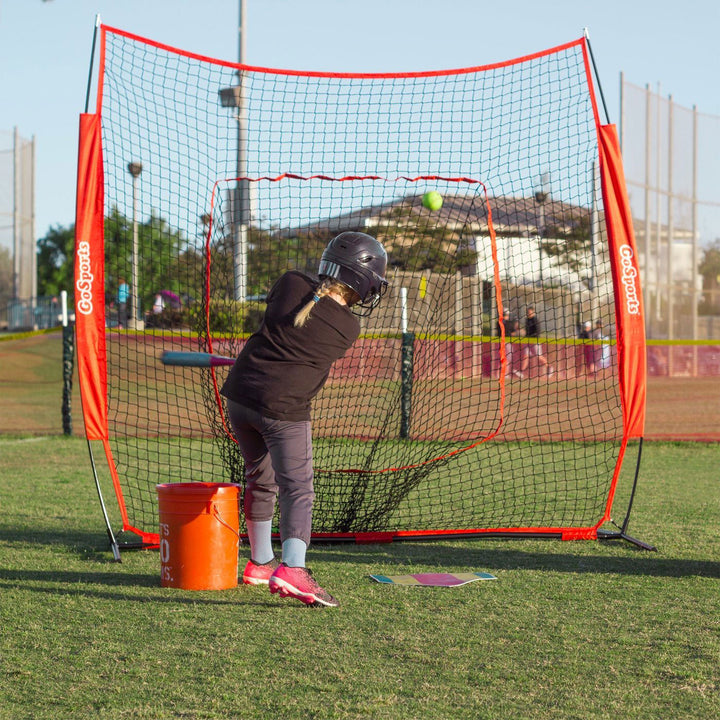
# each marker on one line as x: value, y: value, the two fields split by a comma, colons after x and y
x: 363, y: 309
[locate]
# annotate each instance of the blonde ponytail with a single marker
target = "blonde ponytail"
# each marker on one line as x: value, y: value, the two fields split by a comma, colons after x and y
x: 321, y: 291
x: 326, y: 286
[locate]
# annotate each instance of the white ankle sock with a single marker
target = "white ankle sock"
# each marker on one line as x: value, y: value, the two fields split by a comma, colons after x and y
x: 293, y: 552
x: 260, y: 537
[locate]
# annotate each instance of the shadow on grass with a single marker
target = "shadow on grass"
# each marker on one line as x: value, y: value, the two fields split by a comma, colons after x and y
x: 93, y: 546
x: 491, y: 557
x: 99, y: 585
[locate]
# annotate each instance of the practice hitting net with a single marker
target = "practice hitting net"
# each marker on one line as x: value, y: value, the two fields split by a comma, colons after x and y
x: 201, y: 181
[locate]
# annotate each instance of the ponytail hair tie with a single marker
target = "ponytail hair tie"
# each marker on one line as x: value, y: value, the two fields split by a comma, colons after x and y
x: 316, y: 298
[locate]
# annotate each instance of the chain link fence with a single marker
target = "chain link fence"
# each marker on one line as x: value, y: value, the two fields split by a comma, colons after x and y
x: 39, y: 313
x: 670, y: 154
x: 18, y: 264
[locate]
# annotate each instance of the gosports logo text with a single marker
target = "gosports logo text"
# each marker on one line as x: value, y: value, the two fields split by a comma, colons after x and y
x: 85, y: 279
x: 628, y: 274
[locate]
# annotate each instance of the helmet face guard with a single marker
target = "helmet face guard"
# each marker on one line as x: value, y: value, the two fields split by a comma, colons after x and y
x: 364, y: 307
x: 358, y: 261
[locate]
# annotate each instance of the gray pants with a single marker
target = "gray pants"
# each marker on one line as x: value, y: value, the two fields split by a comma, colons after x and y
x: 278, y: 465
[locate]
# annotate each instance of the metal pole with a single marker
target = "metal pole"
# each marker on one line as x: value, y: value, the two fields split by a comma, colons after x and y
x: 594, y: 242
x: 541, y: 196
x: 694, y: 292
x: 403, y: 310
x: 406, y: 367
x: 135, y: 253
x: 670, y: 228
x: 92, y: 58
x: 242, y: 200
x: 68, y: 354
x: 622, y: 111
x: 63, y: 308
x: 17, y: 247
x: 658, y: 227
x: 135, y: 322
x: 586, y: 33
x: 111, y: 536
x: 33, y: 254
x: 541, y: 232
x: 594, y: 228
x: 646, y: 239
x: 241, y: 35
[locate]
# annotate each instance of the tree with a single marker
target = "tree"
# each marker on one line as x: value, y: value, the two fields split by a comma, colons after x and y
x: 569, y: 245
x: 161, y: 260
x: 160, y: 248
x: 55, y: 261
x: 709, y: 266
x: 415, y: 242
x: 6, y: 276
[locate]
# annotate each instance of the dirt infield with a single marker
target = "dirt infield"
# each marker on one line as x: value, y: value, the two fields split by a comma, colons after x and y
x: 678, y: 408
x: 683, y: 408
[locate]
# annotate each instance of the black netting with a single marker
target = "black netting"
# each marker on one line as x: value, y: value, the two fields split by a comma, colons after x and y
x: 432, y: 421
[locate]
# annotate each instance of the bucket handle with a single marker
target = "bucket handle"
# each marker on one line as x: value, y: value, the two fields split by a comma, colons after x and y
x: 216, y: 515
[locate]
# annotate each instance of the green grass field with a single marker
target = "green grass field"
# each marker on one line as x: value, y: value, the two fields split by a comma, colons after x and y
x: 569, y: 630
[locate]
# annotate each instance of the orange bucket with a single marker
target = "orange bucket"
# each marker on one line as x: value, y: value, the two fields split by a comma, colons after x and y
x: 199, y: 535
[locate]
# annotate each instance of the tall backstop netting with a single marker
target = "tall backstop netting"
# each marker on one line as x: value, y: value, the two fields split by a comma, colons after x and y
x: 18, y: 285
x: 673, y: 178
x: 201, y: 181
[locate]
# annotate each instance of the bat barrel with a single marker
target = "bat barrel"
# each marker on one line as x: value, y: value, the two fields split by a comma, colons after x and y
x: 194, y: 359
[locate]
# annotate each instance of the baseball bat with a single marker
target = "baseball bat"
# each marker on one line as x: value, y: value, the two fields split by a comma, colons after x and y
x: 194, y: 359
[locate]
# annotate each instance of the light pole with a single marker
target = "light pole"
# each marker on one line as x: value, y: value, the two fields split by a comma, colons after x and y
x: 541, y: 196
x: 234, y: 97
x: 134, y: 321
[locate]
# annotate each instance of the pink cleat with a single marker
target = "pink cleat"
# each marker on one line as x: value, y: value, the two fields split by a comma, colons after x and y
x: 298, y: 583
x: 258, y: 574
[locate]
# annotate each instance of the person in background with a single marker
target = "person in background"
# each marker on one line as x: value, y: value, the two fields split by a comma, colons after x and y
x: 123, y: 293
x: 309, y: 323
x: 158, y: 304
x: 533, y: 347
x: 514, y: 330
x: 601, y: 349
x: 507, y: 323
x: 587, y: 348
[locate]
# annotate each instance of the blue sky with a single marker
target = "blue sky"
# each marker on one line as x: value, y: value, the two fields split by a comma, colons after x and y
x: 45, y: 52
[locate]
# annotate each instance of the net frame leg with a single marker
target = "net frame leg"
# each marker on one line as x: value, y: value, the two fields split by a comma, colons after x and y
x: 114, y: 547
x: 622, y: 534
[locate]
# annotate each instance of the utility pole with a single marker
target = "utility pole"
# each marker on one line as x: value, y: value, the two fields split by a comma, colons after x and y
x: 235, y: 97
x: 134, y: 320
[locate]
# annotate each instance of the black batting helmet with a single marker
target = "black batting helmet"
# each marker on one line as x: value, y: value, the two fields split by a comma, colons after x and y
x: 358, y: 261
